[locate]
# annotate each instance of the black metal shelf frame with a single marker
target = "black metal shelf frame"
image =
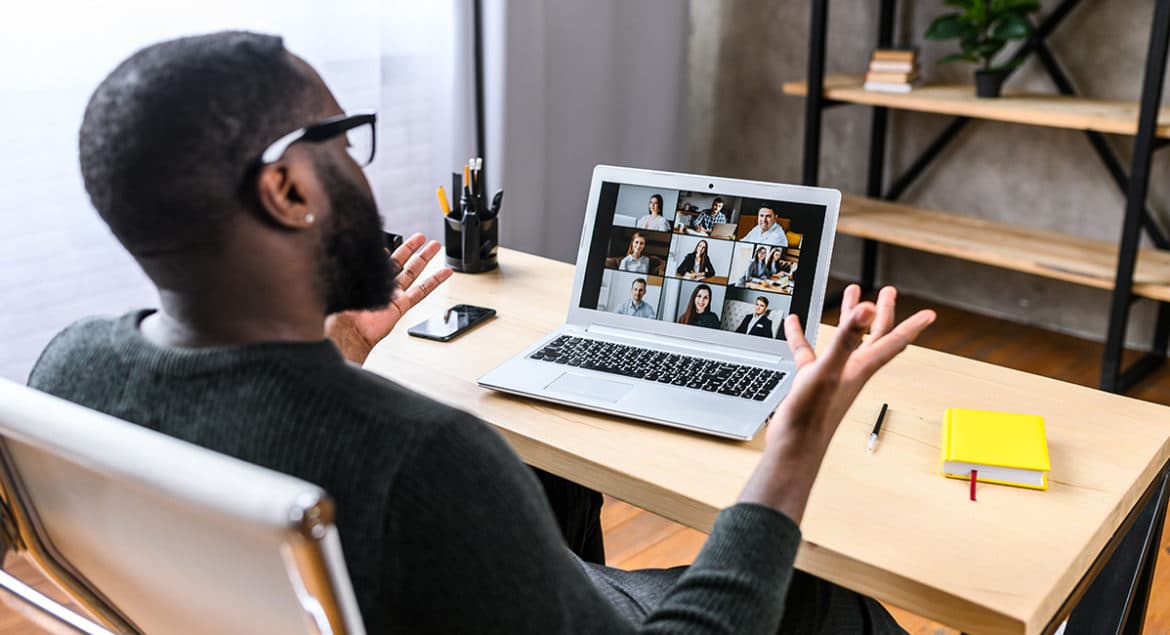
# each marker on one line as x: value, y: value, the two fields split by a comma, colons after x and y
x: 1135, y: 185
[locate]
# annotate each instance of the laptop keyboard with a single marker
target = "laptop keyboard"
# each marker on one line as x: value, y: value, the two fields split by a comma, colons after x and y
x: 737, y: 380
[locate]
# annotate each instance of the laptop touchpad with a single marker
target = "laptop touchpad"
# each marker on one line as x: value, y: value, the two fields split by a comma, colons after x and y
x: 590, y: 387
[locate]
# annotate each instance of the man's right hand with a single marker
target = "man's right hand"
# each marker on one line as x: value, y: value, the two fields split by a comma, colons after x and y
x: 357, y: 332
x: 800, y: 430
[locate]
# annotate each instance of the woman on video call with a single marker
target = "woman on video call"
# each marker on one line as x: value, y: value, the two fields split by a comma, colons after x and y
x: 696, y: 265
x: 758, y: 269
x: 635, y: 261
x: 654, y: 221
x: 777, y: 264
x: 698, y: 311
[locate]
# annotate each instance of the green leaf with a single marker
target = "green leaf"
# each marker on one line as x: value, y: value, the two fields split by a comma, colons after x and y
x: 960, y: 4
x: 957, y: 57
x: 948, y: 26
x: 970, y: 48
x: 977, y: 12
x: 1013, y: 27
x: 1017, y: 7
x: 970, y: 41
x: 989, y: 48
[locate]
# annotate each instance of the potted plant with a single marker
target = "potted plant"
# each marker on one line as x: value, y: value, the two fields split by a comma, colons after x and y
x: 983, y: 27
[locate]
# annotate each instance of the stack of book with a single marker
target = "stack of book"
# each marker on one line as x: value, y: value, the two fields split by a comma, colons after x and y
x: 892, y: 70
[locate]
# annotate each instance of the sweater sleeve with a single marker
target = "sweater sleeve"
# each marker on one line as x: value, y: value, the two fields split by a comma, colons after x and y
x: 477, y: 550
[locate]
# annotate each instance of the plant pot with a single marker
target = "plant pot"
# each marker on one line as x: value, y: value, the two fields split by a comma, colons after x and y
x: 989, y: 83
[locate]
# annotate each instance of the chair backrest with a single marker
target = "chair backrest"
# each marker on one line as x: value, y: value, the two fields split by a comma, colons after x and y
x: 156, y: 535
x: 657, y: 266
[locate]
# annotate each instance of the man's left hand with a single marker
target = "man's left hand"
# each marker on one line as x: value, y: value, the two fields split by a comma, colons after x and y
x: 356, y: 332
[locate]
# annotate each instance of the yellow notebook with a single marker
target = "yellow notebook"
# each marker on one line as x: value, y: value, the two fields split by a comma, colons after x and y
x: 1005, y: 448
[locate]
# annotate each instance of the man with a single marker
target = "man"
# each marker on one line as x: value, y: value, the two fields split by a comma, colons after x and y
x: 767, y: 231
x: 707, y: 218
x: 227, y: 169
x: 635, y: 306
x: 756, y: 323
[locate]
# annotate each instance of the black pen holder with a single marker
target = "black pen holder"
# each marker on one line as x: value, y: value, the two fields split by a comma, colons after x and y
x: 471, y: 243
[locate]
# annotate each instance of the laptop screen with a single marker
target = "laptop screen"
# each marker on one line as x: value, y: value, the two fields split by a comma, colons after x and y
x: 703, y: 259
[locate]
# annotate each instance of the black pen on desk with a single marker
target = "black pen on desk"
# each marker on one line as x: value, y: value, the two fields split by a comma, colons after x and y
x: 877, y: 427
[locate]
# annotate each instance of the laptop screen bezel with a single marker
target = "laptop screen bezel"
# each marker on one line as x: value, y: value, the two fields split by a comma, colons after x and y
x: 829, y: 198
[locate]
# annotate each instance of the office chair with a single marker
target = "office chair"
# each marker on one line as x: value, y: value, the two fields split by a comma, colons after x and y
x: 155, y: 535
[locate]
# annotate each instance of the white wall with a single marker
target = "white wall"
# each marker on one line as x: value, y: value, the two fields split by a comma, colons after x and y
x: 58, y: 261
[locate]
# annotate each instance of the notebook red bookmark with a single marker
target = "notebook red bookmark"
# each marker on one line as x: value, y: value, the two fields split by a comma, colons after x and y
x: 974, y: 473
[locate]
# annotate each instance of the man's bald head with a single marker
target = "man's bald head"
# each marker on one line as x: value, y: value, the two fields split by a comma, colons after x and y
x: 171, y: 136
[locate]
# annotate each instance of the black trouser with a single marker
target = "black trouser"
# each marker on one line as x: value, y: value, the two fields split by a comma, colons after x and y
x: 578, y: 512
x: 812, y: 606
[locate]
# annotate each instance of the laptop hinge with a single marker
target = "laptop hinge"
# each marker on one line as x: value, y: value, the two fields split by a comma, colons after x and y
x: 650, y: 340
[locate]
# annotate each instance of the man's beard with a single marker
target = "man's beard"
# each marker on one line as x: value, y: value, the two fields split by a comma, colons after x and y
x: 355, y: 269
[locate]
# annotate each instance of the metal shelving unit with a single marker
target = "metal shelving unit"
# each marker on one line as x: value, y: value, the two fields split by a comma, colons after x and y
x: 1141, y: 120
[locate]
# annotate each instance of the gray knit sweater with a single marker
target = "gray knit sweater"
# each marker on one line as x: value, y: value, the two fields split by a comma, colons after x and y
x: 444, y: 529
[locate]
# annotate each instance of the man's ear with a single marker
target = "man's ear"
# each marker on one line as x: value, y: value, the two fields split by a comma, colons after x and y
x: 282, y: 189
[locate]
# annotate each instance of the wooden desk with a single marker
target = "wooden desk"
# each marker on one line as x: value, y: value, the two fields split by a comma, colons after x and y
x: 784, y: 288
x: 686, y: 231
x: 718, y: 281
x: 886, y: 524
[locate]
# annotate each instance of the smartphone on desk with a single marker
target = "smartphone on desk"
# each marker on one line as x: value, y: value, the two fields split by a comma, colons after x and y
x: 454, y: 321
x: 393, y: 241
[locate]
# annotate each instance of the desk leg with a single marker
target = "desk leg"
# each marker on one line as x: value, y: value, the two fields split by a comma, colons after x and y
x: 1116, y: 601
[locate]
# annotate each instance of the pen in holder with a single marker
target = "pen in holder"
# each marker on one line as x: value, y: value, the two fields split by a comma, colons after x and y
x: 472, y: 237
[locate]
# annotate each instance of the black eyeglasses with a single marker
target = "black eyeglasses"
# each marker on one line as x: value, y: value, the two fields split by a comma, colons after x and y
x: 358, y: 130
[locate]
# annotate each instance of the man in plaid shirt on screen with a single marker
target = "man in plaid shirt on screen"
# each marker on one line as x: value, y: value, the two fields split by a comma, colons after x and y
x: 708, y: 217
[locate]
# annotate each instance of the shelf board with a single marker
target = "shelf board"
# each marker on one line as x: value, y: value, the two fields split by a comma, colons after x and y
x: 1055, y: 111
x: 1035, y: 251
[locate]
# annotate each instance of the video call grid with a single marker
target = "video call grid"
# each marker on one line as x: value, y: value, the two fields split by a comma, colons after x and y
x: 744, y: 286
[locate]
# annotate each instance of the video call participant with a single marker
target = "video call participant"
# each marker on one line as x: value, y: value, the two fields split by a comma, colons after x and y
x: 777, y: 264
x: 767, y: 230
x: 654, y: 221
x: 698, y: 311
x: 757, y: 323
x: 708, y: 217
x: 635, y: 306
x: 758, y: 267
x: 250, y: 257
x: 696, y: 265
x: 635, y: 261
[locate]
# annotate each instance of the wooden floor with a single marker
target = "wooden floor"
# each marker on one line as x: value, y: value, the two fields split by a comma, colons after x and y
x: 637, y: 539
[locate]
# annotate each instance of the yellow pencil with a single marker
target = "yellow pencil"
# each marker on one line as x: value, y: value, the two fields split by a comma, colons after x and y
x: 443, y: 205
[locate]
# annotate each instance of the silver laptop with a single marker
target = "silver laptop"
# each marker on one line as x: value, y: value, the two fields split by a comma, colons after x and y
x: 663, y: 344
x: 723, y: 230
